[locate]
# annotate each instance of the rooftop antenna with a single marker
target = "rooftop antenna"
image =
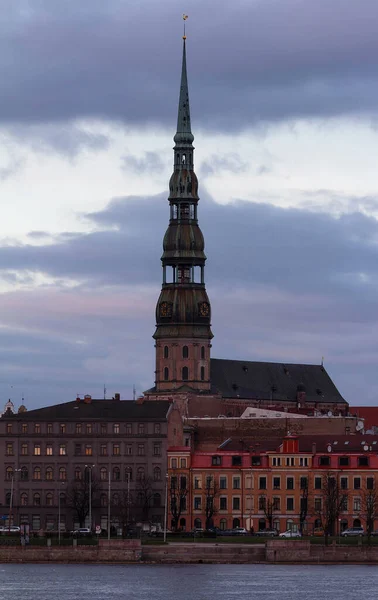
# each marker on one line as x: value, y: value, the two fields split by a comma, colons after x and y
x: 322, y: 364
x: 104, y: 392
x: 184, y: 19
x: 134, y: 392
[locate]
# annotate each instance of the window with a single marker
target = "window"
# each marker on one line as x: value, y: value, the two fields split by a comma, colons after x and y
x: 166, y: 352
x: 202, y: 373
x: 324, y: 461
x: 344, y: 504
x: 303, y: 462
x: 78, y: 474
x: 363, y: 461
x: 156, y: 500
x: 318, y: 504
x: 49, y: 428
x: 88, y: 450
x: 290, y: 483
x: 197, y: 503
x: 174, y: 463
x: 157, y: 474
x: 173, y: 482
x: 49, y: 449
x: 223, y: 503
x: 357, y: 483
x: 116, y: 449
x: 304, y: 483
x: 37, y: 428
x: 289, y: 503
x: 185, y: 352
x: 185, y: 373
x: 236, y: 483
x: 202, y: 352
x: 104, y: 500
x: 24, y: 499
x: 318, y: 483
x: 77, y: 449
x: 116, y: 474
x: 356, y: 504
x: 49, y: 499
x: 344, y: 483
x: 182, y: 463
x: 276, y: 503
x: 262, y: 502
x: 216, y: 460
x: 37, y: 473
x: 36, y: 522
x: 128, y: 474
x: 103, y: 449
x: 128, y: 449
x: 9, y: 427
x: 140, y: 473
x: 157, y: 449
x: 9, y: 449
x: 103, y: 474
x: 344, y: 461
x: 140, y: 449
x: 24, y: 449
x: 370, y: 483
x: 166, y: 373
x: 37, y: 499
x: 235, y: 503
x: 197, y: 483
x: 88, y: 428
x: 236, y: 461
x: 37, y: 450
x: 24, y: 474
x: 24, y: 427
x: 276, y: 483
x: 223, y: 483
x: 141, y: 428
x: 157, y: 428
x: 103, y: 428
x: 9, y: 473
x: 129, y: 428
x: 116, y: 428
x: 262, y: 483
x: 62, y: 450
x: 78, y: 428
x: 276, y: 461
x: 62, y: 428
x: 49, y: 474
x: 62, y: 473
x: 256, y: 461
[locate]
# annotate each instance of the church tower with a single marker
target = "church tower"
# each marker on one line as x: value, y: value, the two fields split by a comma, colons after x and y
x: 183, y: 334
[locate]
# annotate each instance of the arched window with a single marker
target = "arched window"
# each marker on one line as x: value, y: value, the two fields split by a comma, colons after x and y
x: 115, y: 499
x: 182, y: 524
x: 9, y: 473
x: 128, y: 474
x: 63, y: 499
x: 289, y: 524
x: 157, y: 500
x: 49, y: 499
x: 24, y: 474
x: 223, y: 524
x: 116, y: 474
x: 157, y: 474
x: 185, y: 352
x: 202, y: 373
x: 140, y: 473
x: 356, y: 523
x: 24, y: 499
x: 49, y: 474
x: 37, y: 499
x: 37, y: 473
x: 166, y: 373
x: 235, y: 523
x: 103, y: 474
x: 166, y: 352
x: 202, y: 352
x: 185, y: 373
x: 78, y: 474
x: 140, y: 499
x: 104, y: 500
x: 62, y: 473
x: 197, y: 524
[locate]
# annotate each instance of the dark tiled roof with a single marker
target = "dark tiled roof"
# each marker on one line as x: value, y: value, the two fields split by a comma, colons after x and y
x: 97, y: 409
x: 339, y: 443
x: 272, y: 381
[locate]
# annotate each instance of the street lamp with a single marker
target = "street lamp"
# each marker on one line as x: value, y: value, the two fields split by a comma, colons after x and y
x: 61, y: 483
x: 90, y: 467
x: 166, y: 508
x: 11, y: 497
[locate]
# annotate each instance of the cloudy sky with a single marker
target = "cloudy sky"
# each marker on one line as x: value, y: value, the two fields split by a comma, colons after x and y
x: 285, y: 117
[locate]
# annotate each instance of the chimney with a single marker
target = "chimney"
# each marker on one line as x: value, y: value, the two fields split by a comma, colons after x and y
x: 140, y: 400
x: 87, y: 399
x: 313, y: 448
x: 77, y: 398
x: 117, y: 396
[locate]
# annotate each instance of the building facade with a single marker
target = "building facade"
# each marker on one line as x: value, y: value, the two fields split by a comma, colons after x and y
x: 78, y: 458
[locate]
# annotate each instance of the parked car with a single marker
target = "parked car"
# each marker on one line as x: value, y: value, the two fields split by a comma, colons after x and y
x: 353, y: 532
x: 318, y: 531
x: 240, y: 531
x: 374, y: 533
x: 290, y: 534
x: 12, y: 529
x: 267, y: 533
x: 81, y: 531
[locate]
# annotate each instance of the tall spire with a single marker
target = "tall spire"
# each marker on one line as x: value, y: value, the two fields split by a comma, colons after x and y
x: 184, y: 131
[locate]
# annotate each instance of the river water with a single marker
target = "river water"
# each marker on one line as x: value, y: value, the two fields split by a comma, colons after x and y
x: 187, y: 582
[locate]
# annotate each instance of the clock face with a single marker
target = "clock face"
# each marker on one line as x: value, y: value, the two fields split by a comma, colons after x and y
x: 204, y: 309
x: 166, y: 309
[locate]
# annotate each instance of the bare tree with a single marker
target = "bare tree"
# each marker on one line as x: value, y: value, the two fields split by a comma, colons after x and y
x: 78, y: 497
x: 211, y: 492
x: 333, y: 501
x: 124, y: 509
x: 268, y: 506
x: 178, y: 491
x: 144, y: 495
x: 369, y: 507
x: 304, y: 502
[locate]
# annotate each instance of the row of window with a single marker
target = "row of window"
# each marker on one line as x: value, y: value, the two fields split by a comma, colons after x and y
x: 291, y: 461
x: 198, y: 504
x: 185, y: 352
x: 184, y: 374
x: 82, y: 449
x: 80, y: 474
x: 278, y: 482
x: 36, y: 499
x: 79, y: 428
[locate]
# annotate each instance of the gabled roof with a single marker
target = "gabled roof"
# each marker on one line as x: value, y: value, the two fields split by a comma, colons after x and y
x: 272, y: 381
x: 97, y: 409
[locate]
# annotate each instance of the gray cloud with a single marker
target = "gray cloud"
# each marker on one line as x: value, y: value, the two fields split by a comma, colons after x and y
x: 248, y: 62
x: 231, y: 162
x: 150, y: 162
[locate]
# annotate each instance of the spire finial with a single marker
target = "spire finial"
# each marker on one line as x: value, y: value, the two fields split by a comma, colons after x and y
x: 184, y: 19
